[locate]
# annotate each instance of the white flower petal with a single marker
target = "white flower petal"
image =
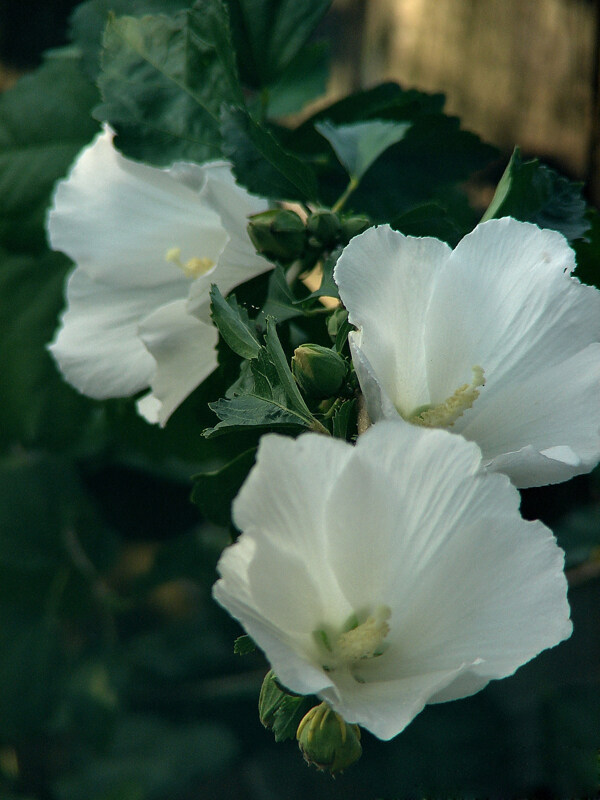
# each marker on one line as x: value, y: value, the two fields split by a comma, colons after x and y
x: 506, y: 302
x: 297, y: 523
x: 97, y: 346
x: 379, y: 405
x: 185, y: 353
x: 502, y: 302
x: 385, y: 281
x: 239, y: 260
x: 406, y: 522
x: 117, y: 219
x: 546, y: 429
x: 385, y: 708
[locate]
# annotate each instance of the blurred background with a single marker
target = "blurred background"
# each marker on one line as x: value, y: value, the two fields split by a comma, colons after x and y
x: 117, y: 675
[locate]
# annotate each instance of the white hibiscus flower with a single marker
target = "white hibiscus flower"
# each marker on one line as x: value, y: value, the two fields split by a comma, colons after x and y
x: 494, y: 340
x: 389, y: 575
x: 147, y: 244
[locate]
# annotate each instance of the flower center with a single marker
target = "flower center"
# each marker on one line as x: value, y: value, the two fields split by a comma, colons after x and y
x: 444, y: 415
x: 193, y: 268
x: 356, y: 642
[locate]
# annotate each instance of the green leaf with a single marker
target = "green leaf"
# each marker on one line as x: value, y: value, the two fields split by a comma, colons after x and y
x: 280, y: 302
x: 271, y: 399
x: 89, y: 19
x: 243, y: 645
x: 260, y: 163
x: 344, y: 420
x: 44, y: 122
x: 588, y: 251
x: 531, y: 192
x: 429, y: 219
x: 284, y: 373
x: 434, y: 154
x: 269, y: 34
x: 214, y: 491
x: 359, y: 144
x: 163, y: 81
x: 304, y: 79
x: 233, y: 324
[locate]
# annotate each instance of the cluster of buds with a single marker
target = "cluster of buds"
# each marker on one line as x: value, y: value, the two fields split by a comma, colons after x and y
x: 281, y: 235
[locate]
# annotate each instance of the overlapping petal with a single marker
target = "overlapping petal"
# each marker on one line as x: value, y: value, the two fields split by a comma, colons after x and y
x: 405, y: 521
x: 134, y: 318
x: 503, y: 300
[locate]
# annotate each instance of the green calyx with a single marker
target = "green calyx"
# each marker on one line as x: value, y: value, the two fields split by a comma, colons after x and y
x: 279, y: 710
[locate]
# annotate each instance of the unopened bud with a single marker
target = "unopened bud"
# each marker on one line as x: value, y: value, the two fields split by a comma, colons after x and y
x: 352, y: 226
x: 327, y: 741
x: 278, y: 234
x: 318, y: 370
x: 324, y: 226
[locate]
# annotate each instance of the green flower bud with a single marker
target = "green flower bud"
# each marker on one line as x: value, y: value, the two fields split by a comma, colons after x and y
x: 352, y: 226
x: 324, y: 226
x: 278, y: 234
x: 318, y: 370
x: 327, y: 741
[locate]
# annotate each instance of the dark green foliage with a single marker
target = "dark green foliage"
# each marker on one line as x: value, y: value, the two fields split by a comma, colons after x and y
x: 163, y: 81
x: 531, y: 192
x: 269, y: 400
x: 270, y: 34
x: 89, y: 20
x: 243, y: 645
x: 261, y: 163
x: 214, y: 491
x: 44, y: 122
x: 233, y: 324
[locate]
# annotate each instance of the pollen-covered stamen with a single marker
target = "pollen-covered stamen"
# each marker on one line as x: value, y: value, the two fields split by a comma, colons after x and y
x: 445, y: 414
x: 356, y: 643
x: 194, y: 267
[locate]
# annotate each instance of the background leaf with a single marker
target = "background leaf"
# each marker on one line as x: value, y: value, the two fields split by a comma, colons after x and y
x: 214, y: 492
x: 359, y: 144
x: 163, y: 81
x: 304, y: 79
x: 531, y: 192
x: 44, y: 122
x: 269, y: 34
x: 259, y: 161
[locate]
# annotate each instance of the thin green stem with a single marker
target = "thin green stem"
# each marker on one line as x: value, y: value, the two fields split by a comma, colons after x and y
x: 295, y: 268
x: 315, y: 312
x: 341, y: 201
x: 334, y: 407
x: 317, y: 427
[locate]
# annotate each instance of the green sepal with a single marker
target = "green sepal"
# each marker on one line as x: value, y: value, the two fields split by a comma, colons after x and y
x: 280, y: 710
x: 244, y: 645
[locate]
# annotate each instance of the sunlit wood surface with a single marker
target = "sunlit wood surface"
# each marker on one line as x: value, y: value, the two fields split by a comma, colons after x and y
x: 515, y: 71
